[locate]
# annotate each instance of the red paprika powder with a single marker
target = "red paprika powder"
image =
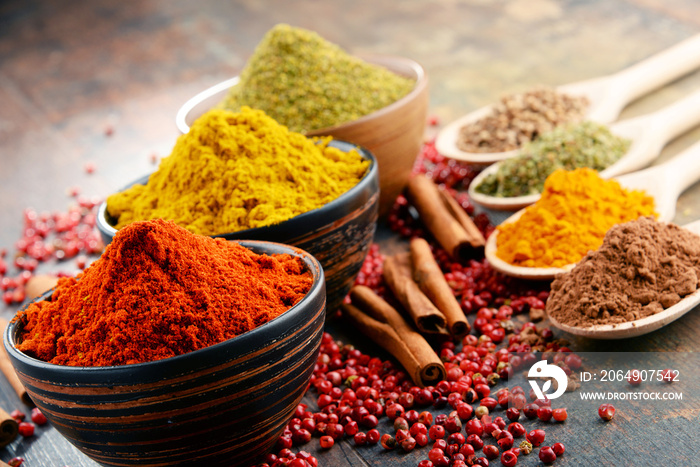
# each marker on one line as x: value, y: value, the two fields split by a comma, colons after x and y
x: 159, y: 291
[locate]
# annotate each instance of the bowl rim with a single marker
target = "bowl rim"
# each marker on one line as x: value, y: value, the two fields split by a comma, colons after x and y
x: 192, y: 102
x: 421, y: 80
x: 203, y: 354
x: 370, y: 176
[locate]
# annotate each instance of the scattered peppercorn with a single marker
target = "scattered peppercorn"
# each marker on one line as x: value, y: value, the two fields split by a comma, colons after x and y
x: 373, y: 436
x: 513, y: 414
x: 516, y: 429
x: 481, y: 411
x: 559, y: 415
x: 558, y: 449
x: 38, y: 417
x: 326, y: 442
x: 526, y: 447
x: 26, y: 429
x: 547, y: 455
x: 509, y: 459
x: 50, y: 236
x: 17, y: 415
x: 634, y: 378
x: 669, y: 375
x: 544, y: 413
x: 606, y: 412
x: 490, y: 451
x: 536, y: 437
x: 530, y: 410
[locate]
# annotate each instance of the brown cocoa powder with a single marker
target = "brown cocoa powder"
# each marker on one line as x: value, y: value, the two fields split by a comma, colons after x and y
x: 643, y: 267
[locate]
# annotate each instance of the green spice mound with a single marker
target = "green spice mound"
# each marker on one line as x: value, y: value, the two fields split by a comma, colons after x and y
x: 307, y: 83
x: 574, y: 146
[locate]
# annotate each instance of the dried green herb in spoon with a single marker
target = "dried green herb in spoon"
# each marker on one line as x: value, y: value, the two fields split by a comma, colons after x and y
x: 585, y: 144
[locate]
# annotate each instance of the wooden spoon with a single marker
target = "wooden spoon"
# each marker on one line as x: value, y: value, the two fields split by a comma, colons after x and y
x: 639, y: 326
x: 649, y: 134
x: 607, y: 95
x: 665, y: 182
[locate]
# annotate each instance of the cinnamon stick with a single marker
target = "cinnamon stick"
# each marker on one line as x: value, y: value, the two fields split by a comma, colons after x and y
x: 7, y: 368
x: 385, y: 336
x: 475, y: 237
x: 440, y: 221
x: 9, y: 428
x: 431, y: 367
x: 429, y: 277
x: 384, y: 325
x: 398, y: 276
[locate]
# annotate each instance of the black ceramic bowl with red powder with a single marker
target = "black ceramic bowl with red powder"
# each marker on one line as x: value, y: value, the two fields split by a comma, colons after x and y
x: 222, y: 405
x: 338, y: 234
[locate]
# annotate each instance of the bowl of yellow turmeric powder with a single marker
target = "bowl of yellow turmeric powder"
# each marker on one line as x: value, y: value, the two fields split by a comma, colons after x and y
x: 243, y: 176
x: 314, y: 87
x: 174, y: 348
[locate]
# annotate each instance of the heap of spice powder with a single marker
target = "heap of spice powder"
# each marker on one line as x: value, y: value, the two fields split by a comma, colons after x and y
x: 307, y: 83
x: 585, y: 144
x: 571, y: 218
x: 159, y: 291
x: 520, y: 118
x: 643, y: 267
x: 235, y: 171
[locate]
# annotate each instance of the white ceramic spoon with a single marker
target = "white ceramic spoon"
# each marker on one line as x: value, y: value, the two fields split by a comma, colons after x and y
x: 607, y: 95
x: 639, y: 326
x: 649, y: 134
x: 665, y: 182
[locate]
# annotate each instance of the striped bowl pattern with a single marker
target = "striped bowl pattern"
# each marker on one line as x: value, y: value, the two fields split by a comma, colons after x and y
x: 338, y: 234
x: 222, y: 405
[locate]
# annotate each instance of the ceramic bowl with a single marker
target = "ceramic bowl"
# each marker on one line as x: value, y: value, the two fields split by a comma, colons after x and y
x: 338, y: 234
x: 393, y: 134
x: 221, y: 405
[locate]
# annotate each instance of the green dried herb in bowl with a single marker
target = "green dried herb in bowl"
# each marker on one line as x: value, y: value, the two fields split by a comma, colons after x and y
x: 307, y: 83
x: 585, y: 144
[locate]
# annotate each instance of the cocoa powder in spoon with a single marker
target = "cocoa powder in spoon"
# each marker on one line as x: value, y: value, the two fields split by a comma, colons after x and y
x: 642, y: 268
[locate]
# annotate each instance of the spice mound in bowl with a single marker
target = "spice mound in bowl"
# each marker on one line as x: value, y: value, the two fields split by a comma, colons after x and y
x: 310, y: 85
x: 244, y: 176
x: 642, y: 268
x: 158, y: 277
x: 236, y: 171
x: 174, y: 347
x: 307, y: 83
x: 520, y: 118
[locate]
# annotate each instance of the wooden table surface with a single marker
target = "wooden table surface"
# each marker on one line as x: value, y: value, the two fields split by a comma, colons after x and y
x: 100, y: 82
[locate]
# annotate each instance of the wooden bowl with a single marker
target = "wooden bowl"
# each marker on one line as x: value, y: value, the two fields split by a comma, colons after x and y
x: 338, y: 234
x: 393, y: 134
x: 222, y: 405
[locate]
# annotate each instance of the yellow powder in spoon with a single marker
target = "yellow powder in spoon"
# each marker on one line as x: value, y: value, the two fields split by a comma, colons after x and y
x: 571, y: 218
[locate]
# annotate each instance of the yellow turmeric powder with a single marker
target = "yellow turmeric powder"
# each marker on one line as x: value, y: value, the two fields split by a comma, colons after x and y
x: 575, y: 211
x: 235, y: 171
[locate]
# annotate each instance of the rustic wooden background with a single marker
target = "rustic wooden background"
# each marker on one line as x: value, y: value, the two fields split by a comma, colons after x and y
x: 72, y: 71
